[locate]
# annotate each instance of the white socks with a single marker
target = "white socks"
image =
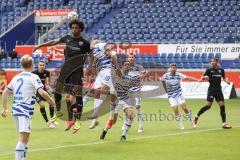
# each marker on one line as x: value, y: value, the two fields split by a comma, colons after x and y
x: 21, y: 151
x: 140, y: 117
x: 127, y: 126
x: 98, y: 102
x: 179, y: 120
x: 86, y: 98
x: 189, y: 116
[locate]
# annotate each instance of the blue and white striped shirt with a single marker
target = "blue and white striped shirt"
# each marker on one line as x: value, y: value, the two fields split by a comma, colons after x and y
x: 101, y: 60
x: 173, y: 84
x: 24, y: 87
x: 122, y: 86
x: 135, y: 70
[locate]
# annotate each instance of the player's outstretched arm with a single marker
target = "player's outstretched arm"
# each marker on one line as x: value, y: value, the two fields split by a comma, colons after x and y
x: 204, y: 78
x: 49, y: 43
x: 46, y: 96
x: 4, y: 101
x: 193, y: 79
x: 90, y: 66
x: 58, y: 50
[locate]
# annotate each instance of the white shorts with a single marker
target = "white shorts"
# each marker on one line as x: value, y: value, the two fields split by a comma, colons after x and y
x: 176, y: 101
x: 105, y: 77
x: 135, y: 98
x: 23, y: 124
x: 123, y: 104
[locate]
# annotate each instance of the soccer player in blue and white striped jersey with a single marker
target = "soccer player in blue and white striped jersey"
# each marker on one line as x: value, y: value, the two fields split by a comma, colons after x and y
x: 135, y: 91
x: 105, y: 60
x: 172, y: 84
x: 124, y: 102
x: 24, y: 87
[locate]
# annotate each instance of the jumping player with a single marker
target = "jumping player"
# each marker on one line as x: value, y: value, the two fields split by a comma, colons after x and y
x: 214, y: 75
x: 105, y: 60
x: 24, y: 87
x: 124, y: 102
x: 77, y: 48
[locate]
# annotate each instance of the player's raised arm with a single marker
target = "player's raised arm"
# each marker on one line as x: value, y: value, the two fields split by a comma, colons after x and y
x: 91, y: 59
x: 58, y: 50
x: 49, y: 43
x: 113, y: 56
x: 90, y: 66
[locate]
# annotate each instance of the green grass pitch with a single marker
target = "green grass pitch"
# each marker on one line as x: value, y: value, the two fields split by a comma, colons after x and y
x: 161, y: 140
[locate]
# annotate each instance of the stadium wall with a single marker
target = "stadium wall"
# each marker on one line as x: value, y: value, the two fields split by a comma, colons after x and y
x: 22, y: 32
x: 228, y: 51
x: 152, y: 76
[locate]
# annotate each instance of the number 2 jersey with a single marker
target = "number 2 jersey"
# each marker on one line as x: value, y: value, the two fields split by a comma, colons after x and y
x: 24, y: 87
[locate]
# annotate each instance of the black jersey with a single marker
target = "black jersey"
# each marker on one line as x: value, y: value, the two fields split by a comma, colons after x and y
x: 75, y: 55
x: 215, y: 77
x: 75, y: 47
x: 42, y: 75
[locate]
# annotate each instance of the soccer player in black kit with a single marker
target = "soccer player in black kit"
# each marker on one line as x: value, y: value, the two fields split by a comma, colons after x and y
x: 71, y: 73
x: 44, y: 75
x: 214, y: 75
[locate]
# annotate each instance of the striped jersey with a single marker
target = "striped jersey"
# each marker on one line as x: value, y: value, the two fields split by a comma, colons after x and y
x: 122, y: 86
x: 101, y: 60
x: 173, y: 84
x: 135, y: 70
x: 24, y: 87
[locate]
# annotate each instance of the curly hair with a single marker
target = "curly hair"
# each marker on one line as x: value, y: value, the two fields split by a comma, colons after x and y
x: 77, y: 22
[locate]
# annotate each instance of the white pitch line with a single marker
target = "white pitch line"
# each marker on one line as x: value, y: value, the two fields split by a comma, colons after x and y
x: 130, y: 139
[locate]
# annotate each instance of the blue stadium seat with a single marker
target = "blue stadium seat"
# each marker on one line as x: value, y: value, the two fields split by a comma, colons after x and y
x: 190, y: 55
x: 218, y: 55
x: 165, y: 21
x: 163, y: 55
x: 210, y: 55
x: 186, y: 65
x: 2, y: 65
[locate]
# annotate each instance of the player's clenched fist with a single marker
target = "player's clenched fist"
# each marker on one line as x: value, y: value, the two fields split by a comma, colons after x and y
x: 4, y: 113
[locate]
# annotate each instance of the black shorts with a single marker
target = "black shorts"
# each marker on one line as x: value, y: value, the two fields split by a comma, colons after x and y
x: 39, y: 98
x: 217, y: 95
x: 74, y: 79
x: 71, y: 72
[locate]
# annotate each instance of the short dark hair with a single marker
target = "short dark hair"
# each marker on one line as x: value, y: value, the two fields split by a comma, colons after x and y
x: 77, y: 22
x: 215, y: 59
x: 173, y: 65
x: 125, y: 61
x: 132, y: 54
x: 41, y: 61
